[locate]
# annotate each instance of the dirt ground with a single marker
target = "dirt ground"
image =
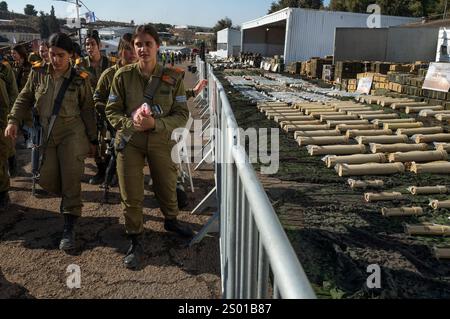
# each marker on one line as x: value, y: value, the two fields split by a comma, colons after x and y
x: 337, y: 235
x: 31, y: 266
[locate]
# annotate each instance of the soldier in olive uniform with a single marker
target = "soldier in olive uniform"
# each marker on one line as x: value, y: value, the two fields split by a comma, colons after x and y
x: 43, y: 52
x: 127, y: 55
x: 8, y: 94
x: 22, y: 69
x: 148, y: 137
x: 73, y: 135
x: 95, y: 64
x: 21, y: 66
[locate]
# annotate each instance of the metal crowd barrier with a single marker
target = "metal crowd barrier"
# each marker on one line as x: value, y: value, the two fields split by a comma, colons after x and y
x: 257, y: 259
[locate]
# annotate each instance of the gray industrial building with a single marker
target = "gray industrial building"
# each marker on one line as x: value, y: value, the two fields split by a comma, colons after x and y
x: 299, y: 34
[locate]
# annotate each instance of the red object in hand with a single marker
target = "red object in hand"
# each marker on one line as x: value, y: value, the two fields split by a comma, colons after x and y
x: 200, y: 86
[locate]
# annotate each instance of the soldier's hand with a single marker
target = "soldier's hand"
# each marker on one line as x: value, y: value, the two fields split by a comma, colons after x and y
x: 144, y: 123
x: 11, y: 131
x: 93, y: 149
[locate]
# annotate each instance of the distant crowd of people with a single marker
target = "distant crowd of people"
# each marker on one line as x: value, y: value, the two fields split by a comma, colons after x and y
x: 175, y: 57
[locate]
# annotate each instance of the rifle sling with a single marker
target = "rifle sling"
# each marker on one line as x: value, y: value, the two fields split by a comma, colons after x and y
x: 151, y: 88
x: 59, y: 99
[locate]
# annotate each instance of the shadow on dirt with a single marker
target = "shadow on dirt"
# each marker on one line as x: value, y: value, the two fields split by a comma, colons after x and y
x: 12, y: 291
x: 39, y: 229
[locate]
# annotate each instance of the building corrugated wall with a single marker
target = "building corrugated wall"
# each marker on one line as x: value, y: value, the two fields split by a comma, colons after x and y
x: 228, y: 43
x: 222, y: 43
x: 395, y: 44
x: 311, y: 33
x: 308, y: 33
x: 234, y: 42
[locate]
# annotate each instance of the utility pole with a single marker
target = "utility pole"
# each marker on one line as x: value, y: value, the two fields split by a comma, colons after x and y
x: 78, y: 19
x: 77, y: 4
x: 445, y: 10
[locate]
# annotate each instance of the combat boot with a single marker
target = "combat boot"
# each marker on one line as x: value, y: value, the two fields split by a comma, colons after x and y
x: 135, y: 254
x: 4, y: 201
x: 99, y: 179
x: 12, y: 166
x: 173, y: 225
x: 68, y: 239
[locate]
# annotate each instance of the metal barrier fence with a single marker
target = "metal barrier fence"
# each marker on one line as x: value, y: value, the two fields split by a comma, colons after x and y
x: 257, y: 259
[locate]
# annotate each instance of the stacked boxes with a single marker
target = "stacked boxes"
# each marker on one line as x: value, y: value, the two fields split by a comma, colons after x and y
x: 314, y: 67
x: 380, y: 67
x: 347, y: 70
x: 352, y: 85
x: 294, y: 67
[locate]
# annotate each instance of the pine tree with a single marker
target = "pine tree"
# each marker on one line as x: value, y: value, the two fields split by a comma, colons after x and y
x: 53, y: 24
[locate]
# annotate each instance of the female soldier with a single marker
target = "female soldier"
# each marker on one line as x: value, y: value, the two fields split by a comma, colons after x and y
x: 22, y: 69
x: 147, y: 137
x: 95, y: 64
x: 73, y: 135
x: 21, y: 66
x: 43, y: 51
x: 8, y: 94
x: 127, y: 55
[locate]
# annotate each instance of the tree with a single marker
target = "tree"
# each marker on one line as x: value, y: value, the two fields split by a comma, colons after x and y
x: 307, y: 4
x: 222, y: 24
x: 53, y: 24
x: 48, y: 24
x: 3, y: 6
x: 29, y: 10
x: 409, y: 8
x: 43, y: 25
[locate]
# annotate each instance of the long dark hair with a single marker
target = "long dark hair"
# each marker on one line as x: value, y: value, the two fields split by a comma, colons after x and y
x: 93, y: 34
x: 20, y: 49
x: 62, y: 41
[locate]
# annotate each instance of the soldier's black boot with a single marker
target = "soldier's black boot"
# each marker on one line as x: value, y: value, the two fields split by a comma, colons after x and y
x: 12, y: 166
x: 173, y: 225
x: 68, y: 239
x: 4, y: 201
x: 135, y: 254
x: 99, y: 179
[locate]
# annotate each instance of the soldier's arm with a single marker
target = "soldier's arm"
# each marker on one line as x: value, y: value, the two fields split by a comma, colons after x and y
x: 179, y: 113
x: 11, y: 85
x: 101, y: 93
x: 115, y: 108
x: 87, y: 111
x: 24, y: 102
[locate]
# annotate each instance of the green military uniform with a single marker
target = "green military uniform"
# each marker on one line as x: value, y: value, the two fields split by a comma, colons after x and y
x: 9, y: 92
x: 103, y: 88
x: 127, y: 95
x: 68, y: 143
x: 85, y: 64
x: 21, y: 72
x: 94, y: 76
